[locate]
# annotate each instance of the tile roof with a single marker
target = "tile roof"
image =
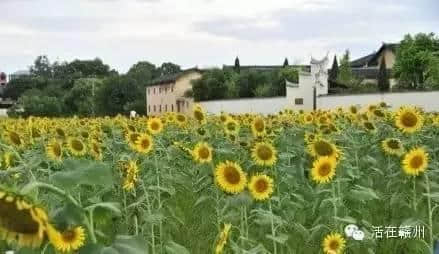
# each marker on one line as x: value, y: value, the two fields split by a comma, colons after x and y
x: 172, y: 77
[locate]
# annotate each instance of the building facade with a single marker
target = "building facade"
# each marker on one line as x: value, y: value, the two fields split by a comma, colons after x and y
x: 169, y: 93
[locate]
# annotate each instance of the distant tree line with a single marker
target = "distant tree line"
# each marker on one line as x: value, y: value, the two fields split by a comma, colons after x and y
x: 83, y: 88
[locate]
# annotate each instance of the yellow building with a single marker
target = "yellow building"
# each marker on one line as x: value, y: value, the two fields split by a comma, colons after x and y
x: 170, y: 93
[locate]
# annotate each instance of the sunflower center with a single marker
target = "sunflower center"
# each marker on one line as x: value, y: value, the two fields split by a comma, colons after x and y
x: 15, y: 138
x: 409, y: 119
x: 232, y: 175
x: 231, y: 126
x: 416, y: 161
x: 378, y: 113
x: 198, y: 115
x: 333, y: 245
x: 369, y: 126
x: 155, y: 126
x: 264, y: 152
x: 323, y: 148
x: 393, y: 144
x: 15, y: 220
x: 181, y: 118
x: 324, y: 169
x: 60, y: 132
x: 353, y: 110
x: 204, y: 153
x: 201, y: 132
x: 261, y: 185
x: 134, y: 137
x: 68, y: 236
x: 145, y: 143
x: 57, y: 149
x: 259, y: 125
x: 77, y: 145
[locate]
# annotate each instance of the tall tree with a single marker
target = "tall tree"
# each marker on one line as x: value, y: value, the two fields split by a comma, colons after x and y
x: 143, y: 72
x: 285, y: 62
x: 168, y: 69
x: 237, y: 67
x: 334, y: 70
x: 414, y: 57
x: 383, y: 77
x: 345, y: 73
x: 42, y: 67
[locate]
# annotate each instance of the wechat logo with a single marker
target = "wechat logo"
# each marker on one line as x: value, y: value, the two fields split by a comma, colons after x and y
x: 352, y: 231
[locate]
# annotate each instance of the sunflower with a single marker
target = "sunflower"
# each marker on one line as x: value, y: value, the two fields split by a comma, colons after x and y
x: 54, y: 150
x: 409, y: 119
x: 131, y: 175
x: 202, y: 153
x: 21, y: 221
x: 231, y: 126
x: 60, y: 132
x: 230, y: 177
x: 415, y: 161
x: 369, y: 126
x: 392, y: 146
x: 96, y: 150
x: 69, y: 240
x: 181, y: 119
x: 131, y: 138
x: 333, y: 244
x: 155, y: 125
x: 14, y: 138
x: 201, y: 131
x: 76, y: 146
x: 321, y: 147
x: 261, y: 187
x: 264, y: 154
x: 323, y: 169
x: 308, y: 118
x: 144, y: 143
x: 258, y: 126
x: 310, y: 137
x: 199, y: 114
x: 222, y: 240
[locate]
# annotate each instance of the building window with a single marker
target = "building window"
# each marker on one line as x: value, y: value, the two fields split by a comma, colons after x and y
x: 298, y: 101
x: 166, y: 89
x: 172, y: 107
x: 154, y: 108
x: 172, y: 88
x: 160, y: 108
x: 149, y: 108
x: 148, y: 91
x: 166, y: 107
x: 187, y: 104
x: 154, y: 90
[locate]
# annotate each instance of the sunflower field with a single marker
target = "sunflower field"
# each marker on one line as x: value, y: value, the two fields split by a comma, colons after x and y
x: 199, y: 184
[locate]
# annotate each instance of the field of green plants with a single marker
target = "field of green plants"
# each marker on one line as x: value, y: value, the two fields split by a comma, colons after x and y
x: 198, y: 184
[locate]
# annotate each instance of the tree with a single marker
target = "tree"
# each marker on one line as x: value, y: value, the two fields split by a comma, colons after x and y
x: 334, y: 70
x: 81, y: 98
x: 237, y: 67
x: 414, y: 58
x: 345, y: 73
x: 211, y: 86
x: 143, y: 72
x: 168, y: 69
x: 41, y: 67
x: 285, y: 62
x: 40, y: 105
x: 383, y: 77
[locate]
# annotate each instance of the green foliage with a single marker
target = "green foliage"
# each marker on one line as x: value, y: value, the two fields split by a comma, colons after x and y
x: 143, y: 72
x: 42, y: 67
x: 333, y: 74
x: 237, y: 67
x: 345, y: 73
x: 168, y: 69
x: 81, y: 98
x: 40, y: 105
x: 286, y: 64
x: 415, y: 58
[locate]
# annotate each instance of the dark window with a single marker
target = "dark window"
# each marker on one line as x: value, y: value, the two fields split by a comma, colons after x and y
x: 160, y: 108
x: 149, y: 108
x: 166, y: 107
x: 298, y: 101
x: 154, y: 90
x: 154, y: 108
x: 148, y: 91
x: 172, y: 107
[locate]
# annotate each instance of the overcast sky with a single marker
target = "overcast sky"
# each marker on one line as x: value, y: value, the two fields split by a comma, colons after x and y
x: 203, y: 32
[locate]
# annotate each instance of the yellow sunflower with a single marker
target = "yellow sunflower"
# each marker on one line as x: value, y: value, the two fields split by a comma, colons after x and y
x: 231, y: 126
x: 202, y: 152
x: 260, y: 187
x: 14, y: 138
x: 76, y: 146
x: 144, y: 143
x: 54, y: 150
x: 130, y: 174
x: 321, y: 147
x: 230, y: 177
x: 258, y: 126
x: 67, y: 241
x: 392, y: 146
x: 21, y: 222
x: 308, y: 118
x: 264, y: 154
x: 369, y: 126
x: 181, y: 119
x: 155, y: 125
x: 323, y: 169
x: 409, y: 119
x: 199, y: 114
x: 334, y: 244
x: 96, y: 150
x: 415, y: 161
x: 222, y: 240
x: 131, y: 138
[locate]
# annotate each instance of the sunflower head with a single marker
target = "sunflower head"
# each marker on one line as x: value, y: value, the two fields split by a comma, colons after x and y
x: 202, y: 153
x: 415, y: 162
x: 199, y: 114
x: 14, y: 138
x: 54, y: 150
x: 392, y: 146
x: 323, y: 169
x: 222, y: 239
x: 260, y: 187
x: 230, y: 177
x: 334, y: 244
x: 264, y: 154
x: 369, y: 126
x: 76, y: 146
x: 258, y: 126
x: 144, y: 143
x: 409, y: 119
x: 71, y: 239
x: 155, y: 125
x: 231, y: 126
x: 321, y: 147
x: 181, y: 119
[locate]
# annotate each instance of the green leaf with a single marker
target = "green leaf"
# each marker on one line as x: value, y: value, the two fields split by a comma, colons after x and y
x: 434, y: 196
x: 363, y: 193
x: 281, y: 238
x: 175, y: 248
x: 347, y: 219
x: 126, y: 245
x: 83, y: 172
x: 111, y: 206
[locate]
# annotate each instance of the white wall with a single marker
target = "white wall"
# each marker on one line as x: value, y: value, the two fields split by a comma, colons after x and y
x: 427, y: 100
x: 3, y: 112
x: 251, y: 105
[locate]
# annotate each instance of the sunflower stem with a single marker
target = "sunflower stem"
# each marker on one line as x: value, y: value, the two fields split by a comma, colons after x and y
x: 414, y: 194
x: 334, y: 202
x: 273, y: 231
x: 148, y: 206
x: 91, y: 226
x: 430, y: 212
x: 159, y: 200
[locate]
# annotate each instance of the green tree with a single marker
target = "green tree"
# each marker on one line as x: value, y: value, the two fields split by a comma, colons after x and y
x: 334, y: 70
x: 81, y: 98
x: 143, y: 72
x: 383, y: 77
x: 237, y: 66
x: 168, y: 69
x: 345, y: 73
x: 40, y: 105
x: 285, y: 62
x: 41, y: 67
x: 414, y: 58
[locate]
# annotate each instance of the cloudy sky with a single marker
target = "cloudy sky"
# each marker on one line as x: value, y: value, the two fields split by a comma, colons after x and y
x: 203, y: 32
